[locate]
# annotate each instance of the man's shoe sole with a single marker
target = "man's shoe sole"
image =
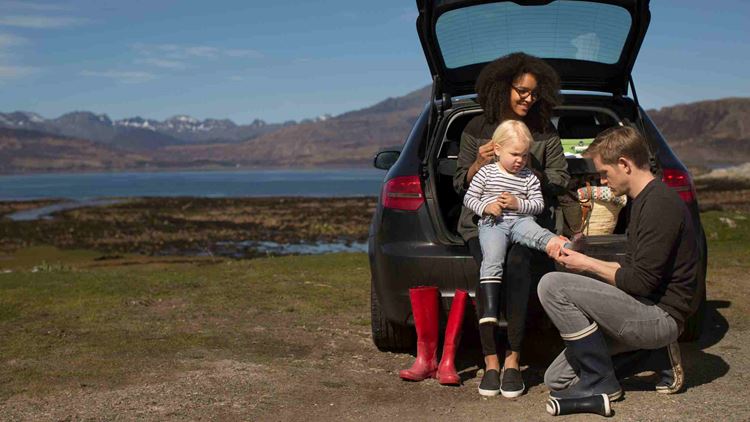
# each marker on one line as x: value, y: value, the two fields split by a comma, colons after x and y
x: 612, y: 397
x: 679, y: 374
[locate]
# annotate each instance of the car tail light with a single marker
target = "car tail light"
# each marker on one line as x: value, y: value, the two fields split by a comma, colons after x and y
x: 403, y: 193
x: 680, y: 181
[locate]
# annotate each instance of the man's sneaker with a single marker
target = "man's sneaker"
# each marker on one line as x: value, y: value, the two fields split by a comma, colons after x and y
x: 673, y: 377
x: 512, y: 383
x: 665, y: 362
x: 490, y: 385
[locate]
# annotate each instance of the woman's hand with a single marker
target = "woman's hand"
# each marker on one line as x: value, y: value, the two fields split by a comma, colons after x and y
x: 508, y: 201
x: 485, y: 154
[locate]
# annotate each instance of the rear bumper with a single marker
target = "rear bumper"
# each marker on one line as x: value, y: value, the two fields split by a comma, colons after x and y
x: 397, y: 266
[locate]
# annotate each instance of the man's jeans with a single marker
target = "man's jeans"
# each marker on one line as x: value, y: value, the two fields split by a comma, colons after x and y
x: 574, y: 301
x: 494, y: 237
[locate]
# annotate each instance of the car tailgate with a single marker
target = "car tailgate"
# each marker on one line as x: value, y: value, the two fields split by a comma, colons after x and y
x: 609, y: 247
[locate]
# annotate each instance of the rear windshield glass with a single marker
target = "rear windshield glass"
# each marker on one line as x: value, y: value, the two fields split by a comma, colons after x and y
x: 562, y: 30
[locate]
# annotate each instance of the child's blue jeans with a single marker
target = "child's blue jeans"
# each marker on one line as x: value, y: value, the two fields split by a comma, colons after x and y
x: 495, y: 237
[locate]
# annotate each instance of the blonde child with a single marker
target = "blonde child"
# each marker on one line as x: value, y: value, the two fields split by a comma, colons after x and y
x: 506, y: 195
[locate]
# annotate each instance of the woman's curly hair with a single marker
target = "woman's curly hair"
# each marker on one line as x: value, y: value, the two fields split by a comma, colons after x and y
x: 494, y: 85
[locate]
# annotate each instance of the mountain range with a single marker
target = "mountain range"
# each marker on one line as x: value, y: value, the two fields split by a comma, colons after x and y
x: 708, y: 133
x: 137, y: 133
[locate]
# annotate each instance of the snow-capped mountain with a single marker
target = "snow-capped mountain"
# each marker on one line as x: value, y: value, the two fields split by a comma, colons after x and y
x: 21, y: 120
x: 137, y: 133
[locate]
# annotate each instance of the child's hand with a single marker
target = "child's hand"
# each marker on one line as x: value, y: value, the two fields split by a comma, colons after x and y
x: 555, y: 245
x: 493, y: 209
x: 507, y: 200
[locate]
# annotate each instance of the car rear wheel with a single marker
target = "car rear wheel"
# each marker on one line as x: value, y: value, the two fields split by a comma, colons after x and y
x: 694, y: 323
x: 387, y: 336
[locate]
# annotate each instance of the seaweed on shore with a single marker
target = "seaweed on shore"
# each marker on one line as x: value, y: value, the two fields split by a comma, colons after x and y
x: 176, y: 226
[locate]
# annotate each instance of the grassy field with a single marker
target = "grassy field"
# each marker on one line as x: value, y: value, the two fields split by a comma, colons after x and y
x: 67, y: 322
x: 728, y: 235
x: 71, y: 321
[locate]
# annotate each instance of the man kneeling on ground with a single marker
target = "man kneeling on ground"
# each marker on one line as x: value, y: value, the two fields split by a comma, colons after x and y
x: 638, y: 305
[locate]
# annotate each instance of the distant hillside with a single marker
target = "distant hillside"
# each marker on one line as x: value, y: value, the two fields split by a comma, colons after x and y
x: 136, y: 133
x: 703, y: 133
x: 707, y: 132
x: 350, y: 139
x: 32, y: 151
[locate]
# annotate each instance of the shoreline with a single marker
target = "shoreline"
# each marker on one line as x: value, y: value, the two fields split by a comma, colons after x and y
x: 234, y: 226
x: 207, y: 169
x: 229, y: 227
x: 696, y: 169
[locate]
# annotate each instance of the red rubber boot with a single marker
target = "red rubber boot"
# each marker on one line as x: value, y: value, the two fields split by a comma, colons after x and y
x: 424, y: 306
x: 446, y: 373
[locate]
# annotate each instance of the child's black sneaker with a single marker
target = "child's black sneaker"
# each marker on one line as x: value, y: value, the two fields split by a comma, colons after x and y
x: 512, y: 383
x: 490, y: 385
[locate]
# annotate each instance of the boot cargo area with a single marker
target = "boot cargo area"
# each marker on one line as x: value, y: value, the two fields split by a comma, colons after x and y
x: 577, y: 125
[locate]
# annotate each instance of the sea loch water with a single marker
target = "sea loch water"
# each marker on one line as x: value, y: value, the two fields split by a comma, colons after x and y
x: 212, y: 184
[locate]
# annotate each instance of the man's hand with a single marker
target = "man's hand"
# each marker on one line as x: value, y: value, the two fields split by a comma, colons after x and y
x: 508, y: 201
x: 572, y: 260
x: 555, y: 245
x: 578, y: 262
x: 493, y: 209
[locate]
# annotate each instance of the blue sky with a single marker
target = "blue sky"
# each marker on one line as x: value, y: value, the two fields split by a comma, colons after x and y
x: 281, y: 60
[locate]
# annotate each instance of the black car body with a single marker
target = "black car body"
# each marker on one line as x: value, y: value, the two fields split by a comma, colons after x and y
x: 413, y: 239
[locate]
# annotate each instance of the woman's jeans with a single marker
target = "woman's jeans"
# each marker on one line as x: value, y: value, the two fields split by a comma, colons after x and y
x: 573, y: 302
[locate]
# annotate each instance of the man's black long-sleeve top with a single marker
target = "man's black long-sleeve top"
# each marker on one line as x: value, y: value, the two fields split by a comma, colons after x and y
x: 661, y: 259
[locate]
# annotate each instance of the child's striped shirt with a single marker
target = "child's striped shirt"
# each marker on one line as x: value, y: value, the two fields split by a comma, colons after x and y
x: 489, y: 182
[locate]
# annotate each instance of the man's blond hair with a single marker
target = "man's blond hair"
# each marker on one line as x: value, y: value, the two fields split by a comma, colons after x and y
x: 511, y: 130
x: 620, y: 141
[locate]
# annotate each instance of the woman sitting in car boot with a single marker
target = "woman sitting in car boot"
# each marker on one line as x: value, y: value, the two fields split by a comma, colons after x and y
x: 525, y: 88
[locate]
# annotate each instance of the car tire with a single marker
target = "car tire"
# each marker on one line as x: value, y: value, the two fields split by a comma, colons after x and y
x: 694, y: 324
x: 387, y: 336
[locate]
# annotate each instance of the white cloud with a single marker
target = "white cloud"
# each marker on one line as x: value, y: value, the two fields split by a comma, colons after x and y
x: 9, y: 40
x: 409, y: 15
x: 9, y: 70
x: 253, y: 54
x: 183, y: 52
x: 162, y: 63
x: 128, y: 77
x: 41, y: 7
x: 13, y: 72
x: 40, y: 22
x: 202, y: 51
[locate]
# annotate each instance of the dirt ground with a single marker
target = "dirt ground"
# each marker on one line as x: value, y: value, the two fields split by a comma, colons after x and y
x: 336, y: 374
x: 326, y: 368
